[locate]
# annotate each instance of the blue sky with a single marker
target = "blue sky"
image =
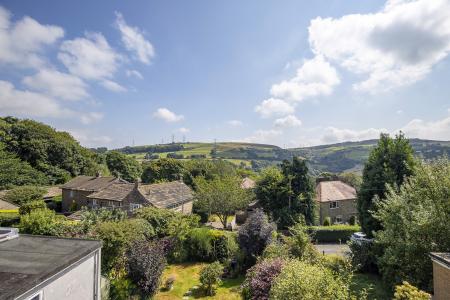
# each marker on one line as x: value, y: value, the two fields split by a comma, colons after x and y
x: 290, y: 73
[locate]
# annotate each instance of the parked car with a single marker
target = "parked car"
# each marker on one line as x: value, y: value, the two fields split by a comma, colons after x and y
x: 359, y: 237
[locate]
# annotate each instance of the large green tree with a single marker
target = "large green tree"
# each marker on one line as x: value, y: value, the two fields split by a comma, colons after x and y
x: 390, y: 162
x: 221, y: 196
x: 164, y: 169
x: 123, y: 166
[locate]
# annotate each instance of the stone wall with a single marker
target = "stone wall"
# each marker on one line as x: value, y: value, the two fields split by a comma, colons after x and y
x: 441, y: 281
x: 346, y: 209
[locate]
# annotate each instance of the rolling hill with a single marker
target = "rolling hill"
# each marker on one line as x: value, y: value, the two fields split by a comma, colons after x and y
x: 336, y: 158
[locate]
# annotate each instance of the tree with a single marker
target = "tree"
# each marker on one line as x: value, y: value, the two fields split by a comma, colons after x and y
x: 254, y: 235
x: 123, y: 166
x: 145, y: 264
x: 390, y: 162
x: 164, y: 169
x: 24, y: 194
x: 30, y: 206
x: 260, y: 277
x: 415, y: 222
x: 210, y: 277
x: 221, y: 196
x: 41, y: 222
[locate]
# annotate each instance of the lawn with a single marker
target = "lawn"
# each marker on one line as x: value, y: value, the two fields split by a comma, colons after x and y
x: 187, y: 275
x: 373, y: 284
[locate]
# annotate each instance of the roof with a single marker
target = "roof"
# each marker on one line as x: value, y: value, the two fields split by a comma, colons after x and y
x: 27, y: 261
x: 6, y: 205
x: 116, y: 191
x: 89, y: 183
x: 53, y: 191
x: 248, y: 183
x: 442, y: 257
x: 334, y: 191
x: 166, y: 194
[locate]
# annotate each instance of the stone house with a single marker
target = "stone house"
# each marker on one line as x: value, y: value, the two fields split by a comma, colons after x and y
x: 110, y: 192
x: 441, y: 275
x: 336, y: 200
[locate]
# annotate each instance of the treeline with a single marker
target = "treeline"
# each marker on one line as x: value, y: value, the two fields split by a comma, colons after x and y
x: 151, y: 149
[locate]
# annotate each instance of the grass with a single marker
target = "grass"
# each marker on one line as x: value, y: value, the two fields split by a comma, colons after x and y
x: 373, y: 284
x: 187, y: 275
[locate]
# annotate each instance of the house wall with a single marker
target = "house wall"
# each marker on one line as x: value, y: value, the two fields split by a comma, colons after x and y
x: 185, y: 208
x: 441, y: 281
x: 69, y: 196
x: 81, y: 281
x: 346, y: 209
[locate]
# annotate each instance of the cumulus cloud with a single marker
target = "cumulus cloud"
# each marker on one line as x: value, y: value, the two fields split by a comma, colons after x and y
x: 29, y: 104
x: 167, y: 115
x: 57, y: 84
x: 89, y: 57
x: 263, y: 136
x: 21, y: 43
x: 394, y: 47
x: 87, y: 139
x: 235, y: 123
x: 315, y: 77
x: 134, y: 73
x: 288, y: 121
x: 335, y: 135
x: 183, y: 130
x: 112, y: 86
x: 434, y: 130
x: 274, y: 107
x: 91, y: 117
x: 134, y: 40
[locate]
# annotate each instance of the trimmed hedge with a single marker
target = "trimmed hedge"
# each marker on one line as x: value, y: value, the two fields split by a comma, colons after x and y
x: 7, y: 219
x: 332, y: 234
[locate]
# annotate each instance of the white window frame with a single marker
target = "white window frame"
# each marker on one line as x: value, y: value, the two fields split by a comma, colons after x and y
x: 39, y: 294
x: 94, y: 203
x: 70, y: 193
x: 338, y: 221
x: 134, y: 206
x: 335, y: 206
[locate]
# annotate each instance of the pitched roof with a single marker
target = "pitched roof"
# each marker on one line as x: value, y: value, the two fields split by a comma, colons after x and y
x: 89, y: 183
x: 116, y: 191
x: 248, y: 183
x: 6, y: 205
x: 166, y: 194
x: 53, y: 191
x: 334, y: 191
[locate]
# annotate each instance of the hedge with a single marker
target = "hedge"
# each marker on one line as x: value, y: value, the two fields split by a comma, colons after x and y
x: 332, y: 234
x: 7, y: 219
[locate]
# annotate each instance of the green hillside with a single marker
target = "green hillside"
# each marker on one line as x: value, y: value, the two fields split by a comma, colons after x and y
x: 336, y: 158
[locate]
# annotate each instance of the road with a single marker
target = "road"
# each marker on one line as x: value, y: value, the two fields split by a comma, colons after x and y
x: 339, y: 249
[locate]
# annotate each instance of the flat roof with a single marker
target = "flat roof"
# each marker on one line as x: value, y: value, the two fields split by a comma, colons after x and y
x: 442, y: 257
x: 29, y: 260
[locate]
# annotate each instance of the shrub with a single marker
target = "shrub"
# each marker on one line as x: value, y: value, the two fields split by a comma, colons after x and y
x: 300, y: 280
x: 334, y: 233
x: 24, y: 194
x: 254, y: 235
x: 352, y: 220
x: 327, y: 221
x: 260, y: 277
x: 41, y: 222
x: 175, y: 155
x: 276, y: 249
x: 210, y: 277
x: 204, y: 244
x: 91, y: 217
x: 145, y: 264
x: 30, y: 206
x: 364, y: 256
x: 300, y: 244
x: 7, y: 219
x: 408, y: 292
x: 158, y: 218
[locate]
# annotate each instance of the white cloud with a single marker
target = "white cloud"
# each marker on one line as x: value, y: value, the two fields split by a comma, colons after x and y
x: 167, y: 115
x: 91, y: 117
x: 112, y: 86
x: 22, y: 42
x: 134, y: 73
x: 263, y: 136
x: 57, y: 84
x: 334, y: 135
x: 274, y: 107
x: 394, y: 47
x: 432, y: 130
x: 235, y: 123
x: 134, y: 40
x: 90, y: 57
x: 315, y: 77
x: 288, y: 121
x: 29, y: 104
x: 184, y: 130
x: 87, y: 139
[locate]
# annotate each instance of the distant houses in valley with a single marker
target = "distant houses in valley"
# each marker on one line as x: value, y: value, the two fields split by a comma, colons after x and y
x: 336, y: 200
x: 112, y: 192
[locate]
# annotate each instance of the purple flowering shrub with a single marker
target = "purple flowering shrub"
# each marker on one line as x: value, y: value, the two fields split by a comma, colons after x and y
x: 260, y: 277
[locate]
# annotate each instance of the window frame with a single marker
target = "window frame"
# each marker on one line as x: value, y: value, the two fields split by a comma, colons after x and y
x: 336, y: 204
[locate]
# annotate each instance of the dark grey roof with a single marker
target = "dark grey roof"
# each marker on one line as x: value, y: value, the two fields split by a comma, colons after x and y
x: 27, y: 261
x: 89, y: 183
x: 116, y: 191
x: 166, y: 194
x: 442, y: 257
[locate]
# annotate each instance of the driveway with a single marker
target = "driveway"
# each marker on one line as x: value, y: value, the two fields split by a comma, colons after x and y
x: 339, y: 249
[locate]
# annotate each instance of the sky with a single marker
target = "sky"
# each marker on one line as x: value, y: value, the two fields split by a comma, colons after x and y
x: 289, y: 73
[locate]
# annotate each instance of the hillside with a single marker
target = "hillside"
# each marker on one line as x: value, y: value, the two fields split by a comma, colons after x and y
x: 336, y: 158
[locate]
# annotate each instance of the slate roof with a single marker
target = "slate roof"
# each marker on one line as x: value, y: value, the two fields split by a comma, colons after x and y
x: 53, y: 191
x: 89, y: 183
x: 166, y: 194
x: 27, y: 261
x: 7, y: 205
x: 116, y: 191
x: 248, y: 183
x: 334, y: 191
x: 442, y: 257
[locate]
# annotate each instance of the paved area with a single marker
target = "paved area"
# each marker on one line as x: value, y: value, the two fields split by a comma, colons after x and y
x: 340, y: 249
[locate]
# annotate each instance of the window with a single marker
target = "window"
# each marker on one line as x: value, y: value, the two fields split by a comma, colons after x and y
x: 334, y: 205
x: 134, y: 206
x: 338, y: 219
x: 37, y: 296
x: 94, y: 202
x: 70, y: 194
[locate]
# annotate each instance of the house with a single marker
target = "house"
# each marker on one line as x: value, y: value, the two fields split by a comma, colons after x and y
x: 441, y: 275
x: 115, y: 193
x: 50, y: 268
x: 336, y: 200
x: 248, y: 183
x: 5, y: 205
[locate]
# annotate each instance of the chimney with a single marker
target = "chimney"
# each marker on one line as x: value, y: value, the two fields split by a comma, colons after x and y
x: 136, y: 183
